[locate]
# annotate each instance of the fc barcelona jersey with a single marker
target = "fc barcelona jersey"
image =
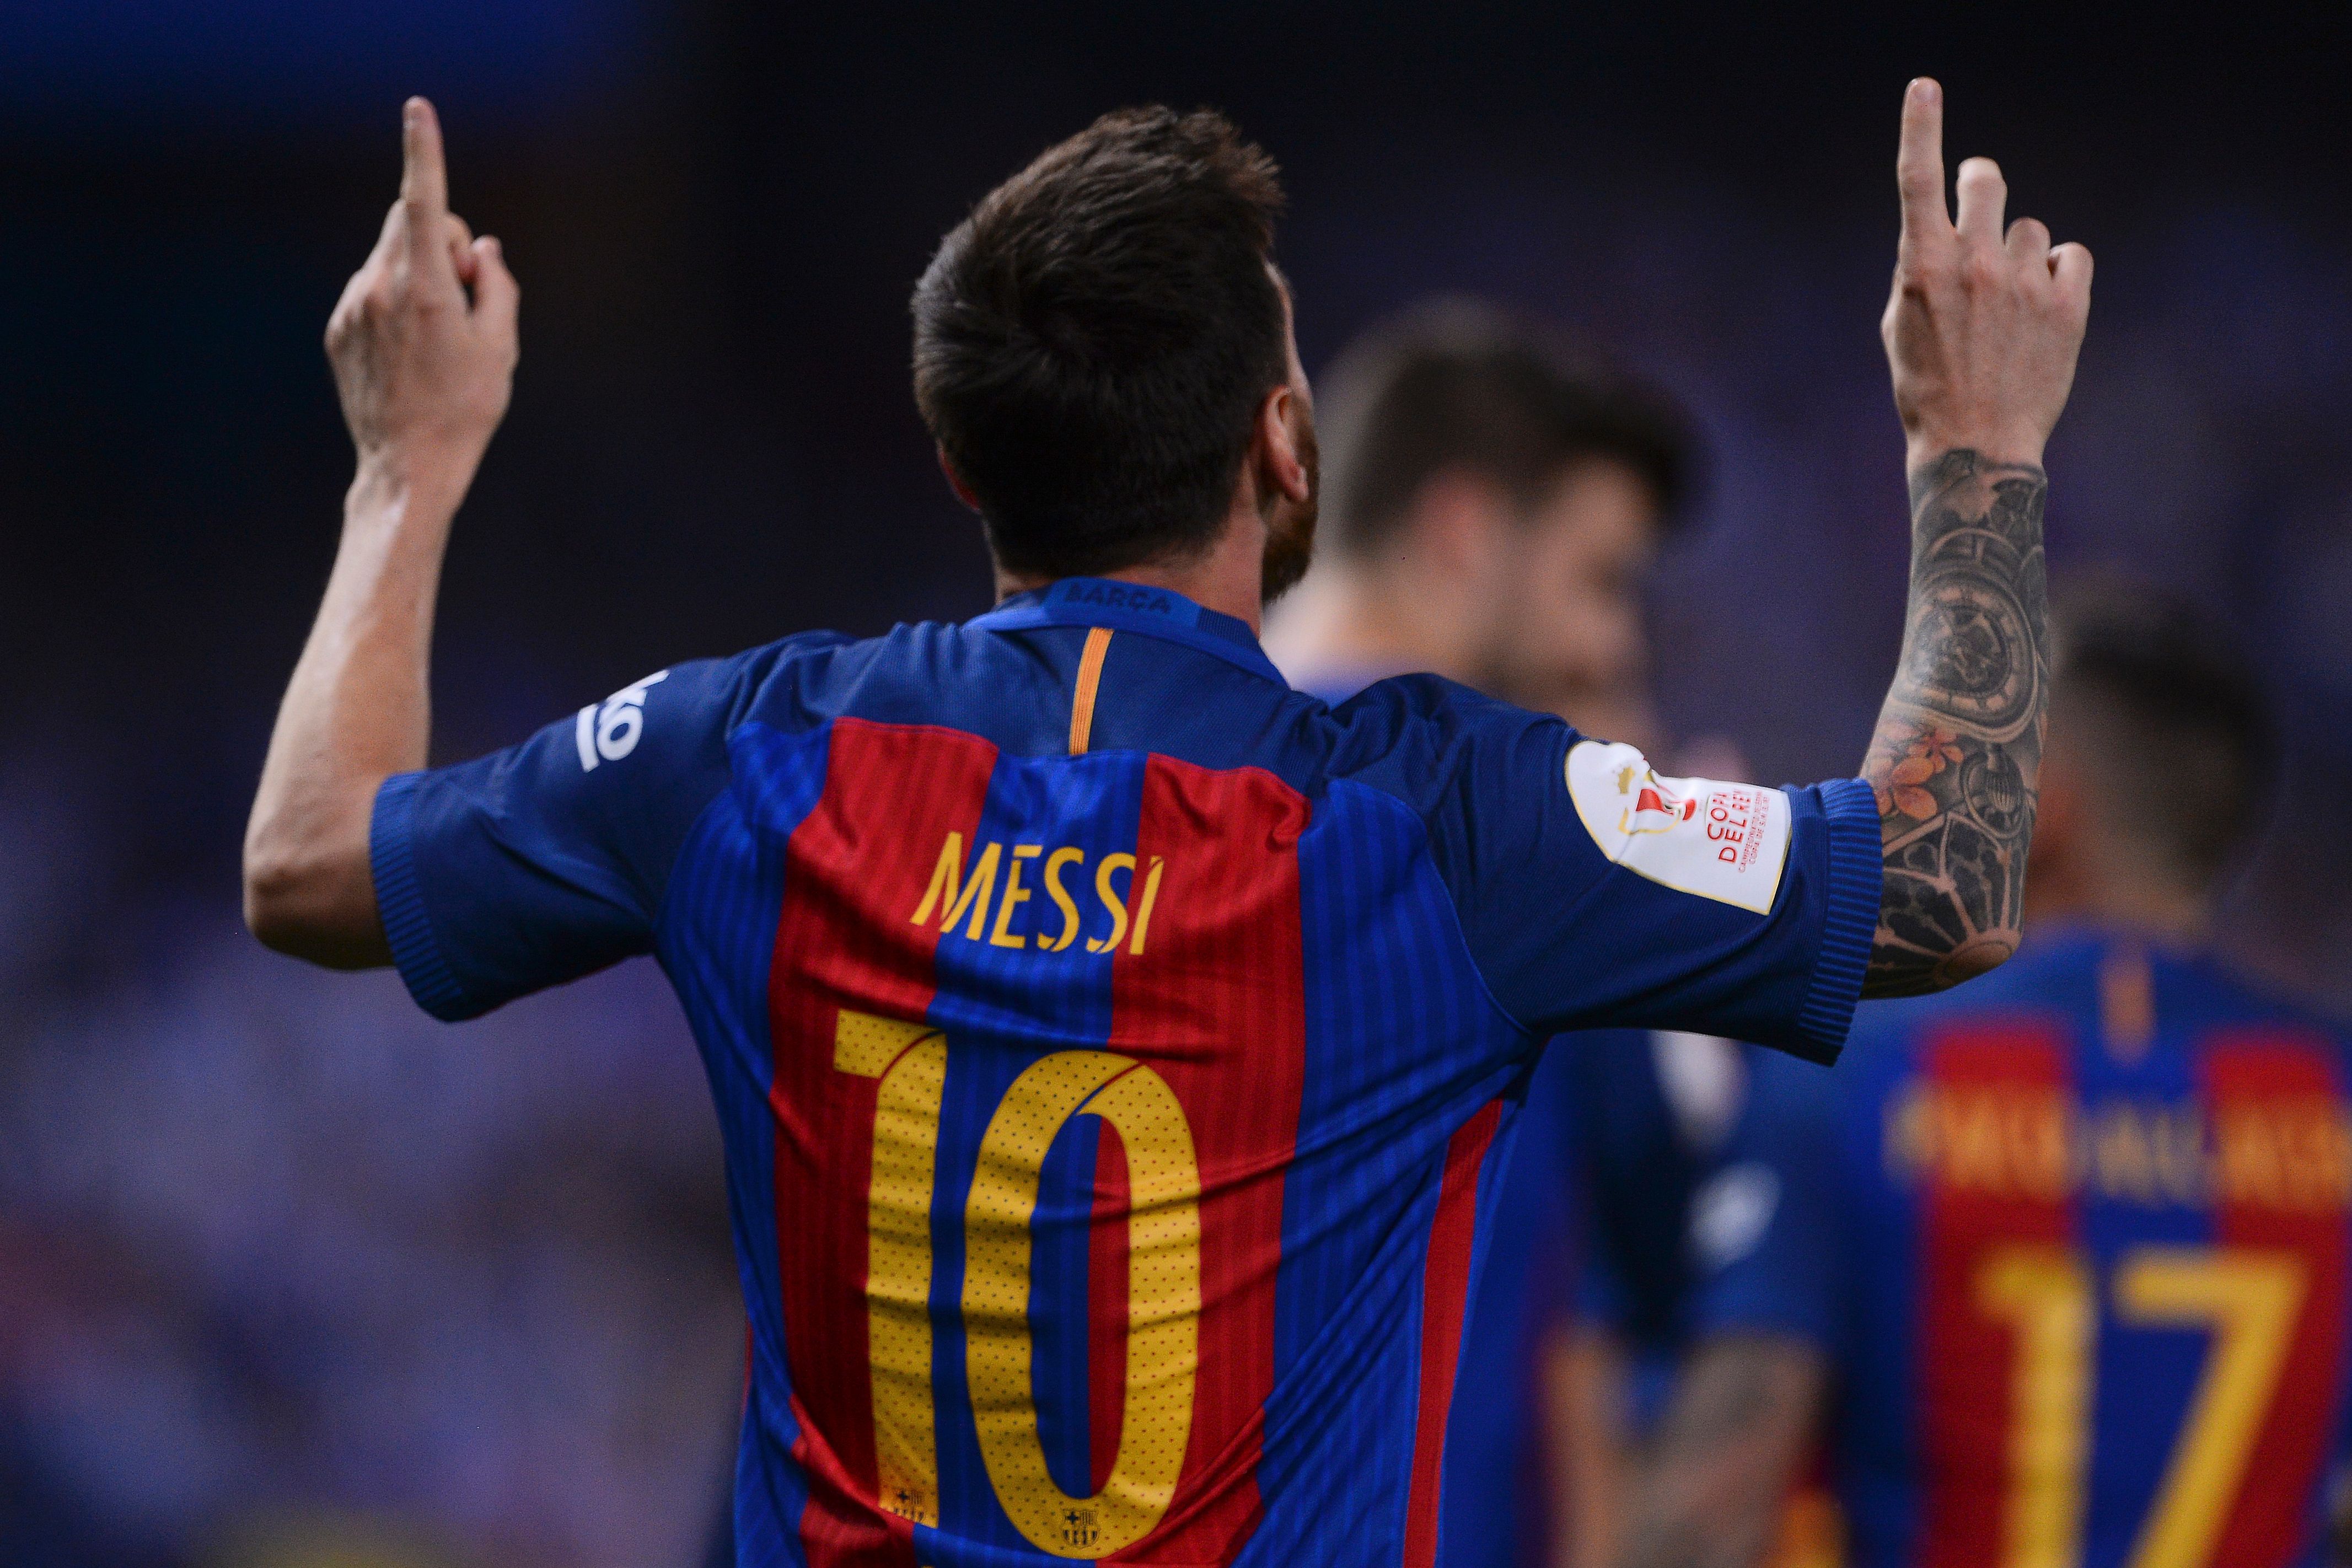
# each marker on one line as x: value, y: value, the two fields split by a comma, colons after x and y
x: 1115, y: 1050
x: 2076, y: 1234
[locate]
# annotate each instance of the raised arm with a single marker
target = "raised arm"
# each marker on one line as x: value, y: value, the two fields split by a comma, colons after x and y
x: 423, y: 371
x: 1982, y: 334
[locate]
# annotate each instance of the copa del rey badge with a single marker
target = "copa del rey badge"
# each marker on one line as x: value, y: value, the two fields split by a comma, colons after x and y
x: 1723, y: 841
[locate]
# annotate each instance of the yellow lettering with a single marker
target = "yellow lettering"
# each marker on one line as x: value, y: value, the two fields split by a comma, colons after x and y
x: 1971, y: 1142
x: 946, y: 876
x: 2045, y: 1294
x: 1111, y: 901
x: 1055, y: 890
x: 1163, y: 1283
x: 911, y: 1060
x: 2248, y: 1300
x: 1150, y: 896
x: 2285, y: 1153
x: 1015, y: 895
x: 1163, y: 1287
x: 975, y: 896
x: 2042, y: 1144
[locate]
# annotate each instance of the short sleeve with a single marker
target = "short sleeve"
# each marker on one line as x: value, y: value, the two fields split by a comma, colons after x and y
x: 1765, y: 1237
x: 548, y: 860
x: 1595, y: 892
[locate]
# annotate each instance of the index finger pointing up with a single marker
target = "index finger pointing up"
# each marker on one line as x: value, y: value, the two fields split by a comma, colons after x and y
x: 1919, y: 165
x: 423, y: 182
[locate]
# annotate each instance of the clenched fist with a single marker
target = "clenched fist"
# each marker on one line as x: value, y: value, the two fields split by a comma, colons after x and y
x: 424, y: 370
x: 1984, y: 323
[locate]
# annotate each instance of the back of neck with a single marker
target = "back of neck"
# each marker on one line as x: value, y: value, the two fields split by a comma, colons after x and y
x: 1228, y: 577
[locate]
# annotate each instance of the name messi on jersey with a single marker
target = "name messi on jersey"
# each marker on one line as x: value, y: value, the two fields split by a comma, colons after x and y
x: 960, y: 897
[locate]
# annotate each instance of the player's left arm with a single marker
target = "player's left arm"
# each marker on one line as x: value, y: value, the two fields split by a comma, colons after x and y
x: 423, y: 372
x: 1956, y: 756
x: 1711, y: 1492
x: 1981, y: 333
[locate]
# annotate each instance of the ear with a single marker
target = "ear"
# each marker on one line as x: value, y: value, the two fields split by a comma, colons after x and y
x: 1275, y: 448
x: 955, y: 480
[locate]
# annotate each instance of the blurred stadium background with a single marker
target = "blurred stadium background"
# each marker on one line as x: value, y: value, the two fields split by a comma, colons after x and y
x: 291, y: 1275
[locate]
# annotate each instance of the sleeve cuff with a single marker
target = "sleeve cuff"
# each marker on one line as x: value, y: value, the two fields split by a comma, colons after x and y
x: 1857, y: 876
x: 400, y: 904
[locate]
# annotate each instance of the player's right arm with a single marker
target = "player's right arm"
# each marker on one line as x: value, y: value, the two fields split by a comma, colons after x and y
x: 423, y: 373
x: 1982, y: 334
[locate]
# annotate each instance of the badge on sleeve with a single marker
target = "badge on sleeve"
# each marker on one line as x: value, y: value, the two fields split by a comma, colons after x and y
x: 1722, y: 841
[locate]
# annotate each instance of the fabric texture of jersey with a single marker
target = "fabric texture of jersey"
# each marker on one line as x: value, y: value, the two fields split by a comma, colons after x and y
x: 1113, y: 1049
x: 2076, y: 1237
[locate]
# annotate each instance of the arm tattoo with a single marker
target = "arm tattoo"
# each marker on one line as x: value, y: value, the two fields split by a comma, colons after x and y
x: 1957, y: 758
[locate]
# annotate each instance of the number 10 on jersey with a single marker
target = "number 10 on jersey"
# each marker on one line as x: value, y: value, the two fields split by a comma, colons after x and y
x: 909, y: 1062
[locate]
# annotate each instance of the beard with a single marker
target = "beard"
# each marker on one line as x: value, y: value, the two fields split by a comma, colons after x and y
x: 1290, y: 526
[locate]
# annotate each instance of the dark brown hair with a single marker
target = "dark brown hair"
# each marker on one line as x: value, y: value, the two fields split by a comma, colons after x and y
x: 1092, y: 343
x: 1458, y: 384
x: 2171, y: 721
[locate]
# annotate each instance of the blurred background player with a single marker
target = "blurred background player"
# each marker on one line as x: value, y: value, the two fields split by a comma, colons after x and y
x: 1496, y: 500
x: 2074, y: 1247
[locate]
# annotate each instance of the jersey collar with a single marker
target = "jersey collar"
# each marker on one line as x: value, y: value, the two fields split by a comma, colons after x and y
x: 1133, y: 607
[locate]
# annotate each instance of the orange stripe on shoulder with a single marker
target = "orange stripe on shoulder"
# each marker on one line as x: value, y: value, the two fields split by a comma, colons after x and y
x: 1082, y: 704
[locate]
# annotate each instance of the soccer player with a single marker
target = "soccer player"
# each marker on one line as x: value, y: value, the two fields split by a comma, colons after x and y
x: 1109, y: 1041
x: 2071, y: 1245
x: 1493, y: 500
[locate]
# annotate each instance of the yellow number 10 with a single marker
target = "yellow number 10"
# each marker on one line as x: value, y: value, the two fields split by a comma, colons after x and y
x: 2247, y: 1299
x: 1163, y: 1284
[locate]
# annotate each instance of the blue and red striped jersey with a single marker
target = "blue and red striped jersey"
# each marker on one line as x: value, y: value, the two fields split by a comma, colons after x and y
x: 1115, y: 1048
x: 2076, y: 1238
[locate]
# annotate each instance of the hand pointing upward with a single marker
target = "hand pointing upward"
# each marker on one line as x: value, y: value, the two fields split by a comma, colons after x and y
x: 1984, y: 323
x: 424, y: 368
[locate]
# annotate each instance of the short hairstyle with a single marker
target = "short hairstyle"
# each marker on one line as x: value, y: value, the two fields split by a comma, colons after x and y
x: 1458, y: 384
x: 1093, y: 343
x: 2170, y: 722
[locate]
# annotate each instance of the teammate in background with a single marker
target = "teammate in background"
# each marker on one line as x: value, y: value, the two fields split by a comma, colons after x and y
x: 1108, y: 1040
x: 1493, y: 502
x: 2073, y: 1247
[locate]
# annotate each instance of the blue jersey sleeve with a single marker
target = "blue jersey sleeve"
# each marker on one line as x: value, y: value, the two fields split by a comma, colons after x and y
x: 1595, y: 893
x: 1766, y: 1246
x: 548, y: 860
